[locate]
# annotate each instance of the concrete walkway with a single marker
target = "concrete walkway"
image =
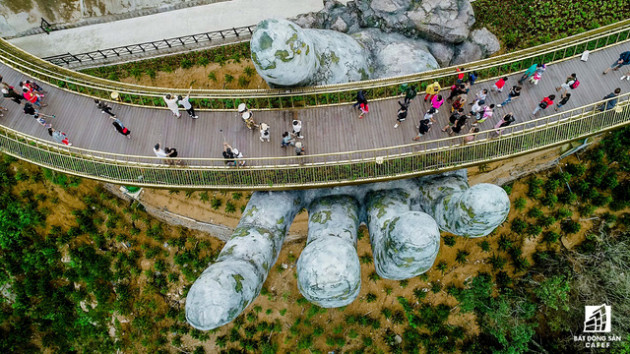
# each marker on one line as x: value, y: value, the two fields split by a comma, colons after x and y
x: 198, y: 19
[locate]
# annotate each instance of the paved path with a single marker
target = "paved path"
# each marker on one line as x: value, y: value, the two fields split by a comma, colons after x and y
x: 177, y: 23
x: 327, y: 129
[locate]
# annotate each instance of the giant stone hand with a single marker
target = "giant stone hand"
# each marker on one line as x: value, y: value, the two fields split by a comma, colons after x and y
x: 402, y: 216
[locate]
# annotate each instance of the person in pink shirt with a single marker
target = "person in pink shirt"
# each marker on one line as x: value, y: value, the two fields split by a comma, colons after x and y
x: 437, y: 102
x: 498, y: 86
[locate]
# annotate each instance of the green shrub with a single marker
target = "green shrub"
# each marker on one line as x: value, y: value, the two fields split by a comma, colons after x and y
x: 551, y: 237
x: 449, y: 240
x: 186, y: 63
x: 229, y: 207
x: 546, y: 220
x: 551, y: 185
x: 567, y: 197
x: 419, y: 293
x: 533, y: 230
x: 535, y: 185
x: 370, y: 297
x: 497, y: 262
x: 461, y: 256
x: 442, y: 266
x: 576, y: 170
x: 518, y: 226
x: 520, y: 203
x: 249, y: 71
x: 508, y: 188
x: 203, y: 61
x: 570, y: 227
x: 436, y: 287
x: 586, y: 210
x: 216, y: 203
x: 563, y: 213
x: 484, y: 245
x: 504, y: 243
x: 535, y: 213
x: 243, y: 81
x: 550, y: 200
x: 212, y: 76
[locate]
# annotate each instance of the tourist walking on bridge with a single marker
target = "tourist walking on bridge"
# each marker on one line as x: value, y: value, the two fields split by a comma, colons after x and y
x: 504, y: 122
x: 410, y: 94
x: 538, y: 74
x: 33, y: 98
x: 432, y: 90
x: 528, y: 73
x: 360, y: 98
x: 120, y: 127
x: 515, y: 92
x: 31, y: 111
x: 437, y: 102
x: 185, y: 102
x: 546, y: 102
x: 563, y: 100
x: 452, y: 121
x: 624, y: 59
x: 104, y: 108
x: 9, y: 92
x: 571, y: 82
x: 364, y: 108
x: 612, y: 98
x: 297, y: 128
x: 484, y: 114
x: 498, y: 86
x: 171, y: 103
x: 401, y: 115
x: 59, y: 136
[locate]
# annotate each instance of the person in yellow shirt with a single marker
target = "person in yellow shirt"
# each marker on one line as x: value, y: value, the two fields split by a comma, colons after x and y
x: 432, y: 90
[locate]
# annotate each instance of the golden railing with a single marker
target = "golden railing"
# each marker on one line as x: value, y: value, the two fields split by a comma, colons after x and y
x: 312, y: 171
x: 488, y: 68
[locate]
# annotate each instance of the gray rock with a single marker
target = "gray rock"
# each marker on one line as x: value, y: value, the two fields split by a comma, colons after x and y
x: 390, y: 6
x: 329, y: 272
x: 394, y: 54
x: 466, y: 52
x: 229, y: 285
x: 308, y: 20
x: 463, y: 211
x: 339, y: 25
x: 487, y: 41
x: 405, y: 243
x: 443, y: 20
x: 286, y: 55
x: 443, y: 53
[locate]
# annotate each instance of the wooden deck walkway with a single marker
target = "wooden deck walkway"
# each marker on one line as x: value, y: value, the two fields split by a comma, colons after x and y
x: 327, y: 129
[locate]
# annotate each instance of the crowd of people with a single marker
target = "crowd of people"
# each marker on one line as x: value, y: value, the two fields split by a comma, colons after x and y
x: 467, y: 110
x: 481, y: 109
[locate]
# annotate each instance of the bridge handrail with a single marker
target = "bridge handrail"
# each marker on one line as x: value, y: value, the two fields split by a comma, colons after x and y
x: 131, y: 49
x: 555, y: 51
x: 316, y: 170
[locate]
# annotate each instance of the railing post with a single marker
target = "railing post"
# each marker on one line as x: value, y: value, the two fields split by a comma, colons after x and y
x: 235, y: 32
x: 104, y: 56
x: 167, y: 43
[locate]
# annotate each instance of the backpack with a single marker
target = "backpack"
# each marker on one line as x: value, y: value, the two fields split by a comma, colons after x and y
x: 575, y: 84
x: 545, y: 103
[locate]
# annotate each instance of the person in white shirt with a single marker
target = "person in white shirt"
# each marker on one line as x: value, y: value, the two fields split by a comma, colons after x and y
x: 158, y: 151
x: 297, y: 129
x: 186, y: 104
x: 171, y: 103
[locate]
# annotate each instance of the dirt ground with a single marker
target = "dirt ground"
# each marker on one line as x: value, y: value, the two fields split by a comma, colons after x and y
x: 197, y: 76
